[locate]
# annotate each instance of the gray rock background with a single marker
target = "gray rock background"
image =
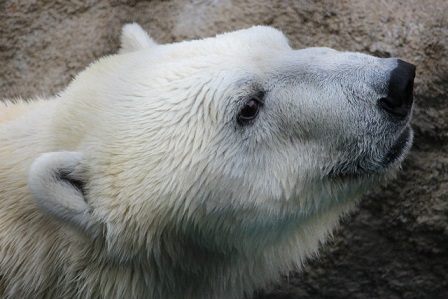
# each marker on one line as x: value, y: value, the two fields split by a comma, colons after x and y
x: 396, y: 244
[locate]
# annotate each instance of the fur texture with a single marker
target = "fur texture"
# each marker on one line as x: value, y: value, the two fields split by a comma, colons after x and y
x: 198, y: 169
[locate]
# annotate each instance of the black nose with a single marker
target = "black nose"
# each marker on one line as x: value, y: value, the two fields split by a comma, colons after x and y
x: 399, y: 98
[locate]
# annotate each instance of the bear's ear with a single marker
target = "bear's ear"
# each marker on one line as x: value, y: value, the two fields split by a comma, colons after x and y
x: 57, y: 180
x: 134, y: 38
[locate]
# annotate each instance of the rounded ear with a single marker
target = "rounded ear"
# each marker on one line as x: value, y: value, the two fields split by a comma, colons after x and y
x: 134, y: 38
x: 57, y: 180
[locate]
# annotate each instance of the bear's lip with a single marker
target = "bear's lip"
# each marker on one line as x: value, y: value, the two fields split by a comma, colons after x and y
x: 392, y: 156
x: 398, y: 149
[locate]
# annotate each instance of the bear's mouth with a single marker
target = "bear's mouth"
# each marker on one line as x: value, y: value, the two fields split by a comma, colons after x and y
x: 399, y: 148
x: 362, y: 168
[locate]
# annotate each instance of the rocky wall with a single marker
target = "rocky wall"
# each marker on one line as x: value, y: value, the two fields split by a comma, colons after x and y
x: 396, y: 244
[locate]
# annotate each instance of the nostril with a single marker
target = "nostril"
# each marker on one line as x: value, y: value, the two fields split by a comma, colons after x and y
x: 394, y: 107
x: 399, y: 98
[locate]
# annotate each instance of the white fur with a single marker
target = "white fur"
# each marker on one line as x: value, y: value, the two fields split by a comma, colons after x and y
x: 141, y: 182
x: 134, y: 38
x: 48, y: 183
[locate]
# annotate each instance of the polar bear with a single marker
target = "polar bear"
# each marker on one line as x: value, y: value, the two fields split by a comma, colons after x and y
x: 200, y: 169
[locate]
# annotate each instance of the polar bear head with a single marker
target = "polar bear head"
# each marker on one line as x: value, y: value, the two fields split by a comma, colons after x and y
x: 226, y: 143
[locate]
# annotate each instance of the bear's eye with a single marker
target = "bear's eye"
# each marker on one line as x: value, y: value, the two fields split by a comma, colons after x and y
x: 250, y: 110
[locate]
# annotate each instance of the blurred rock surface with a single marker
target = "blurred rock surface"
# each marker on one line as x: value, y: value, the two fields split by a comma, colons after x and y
x: 396, y: 244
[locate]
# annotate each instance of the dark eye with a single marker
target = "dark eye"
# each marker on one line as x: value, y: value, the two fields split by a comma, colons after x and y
x: 249, y: 111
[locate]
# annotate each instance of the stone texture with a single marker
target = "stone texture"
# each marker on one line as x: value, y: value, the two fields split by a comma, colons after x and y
x: 396, y: 244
